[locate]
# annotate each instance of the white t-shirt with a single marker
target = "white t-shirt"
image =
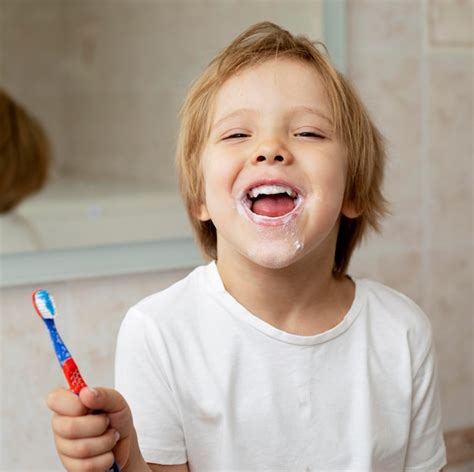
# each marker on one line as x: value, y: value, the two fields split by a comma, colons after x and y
x: 211, y: 384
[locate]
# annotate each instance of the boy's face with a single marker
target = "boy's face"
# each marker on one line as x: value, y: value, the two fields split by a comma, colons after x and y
x: 274, y: 172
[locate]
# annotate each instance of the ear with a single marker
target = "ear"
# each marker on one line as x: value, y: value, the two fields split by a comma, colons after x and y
x: 349, y: 210
x: 202, y: 214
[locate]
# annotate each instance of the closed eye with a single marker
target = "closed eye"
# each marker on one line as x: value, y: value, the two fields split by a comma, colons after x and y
x: 309, y: 134
x: 236, y: 135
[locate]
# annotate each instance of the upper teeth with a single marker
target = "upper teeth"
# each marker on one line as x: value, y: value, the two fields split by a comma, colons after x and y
x: 270, y: 190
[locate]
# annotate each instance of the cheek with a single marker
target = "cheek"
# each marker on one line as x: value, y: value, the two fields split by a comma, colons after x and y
x: 219, y: 174
x: 335, y: 185
x: 329, y: 187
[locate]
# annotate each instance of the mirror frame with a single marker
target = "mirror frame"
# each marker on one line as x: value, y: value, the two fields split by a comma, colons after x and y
x: 120, y: 259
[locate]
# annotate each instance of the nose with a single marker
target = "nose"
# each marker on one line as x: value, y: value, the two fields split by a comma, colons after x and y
x: 272, y: 153
x: 277, y: 158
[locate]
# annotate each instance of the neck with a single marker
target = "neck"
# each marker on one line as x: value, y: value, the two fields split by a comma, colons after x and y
x: 303, y: 298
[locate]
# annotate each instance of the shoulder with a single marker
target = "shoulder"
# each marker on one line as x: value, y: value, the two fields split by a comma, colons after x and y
x: 173, y: 295
x: 396, y: 312
x: 171, y: 305
x: 395, y: 306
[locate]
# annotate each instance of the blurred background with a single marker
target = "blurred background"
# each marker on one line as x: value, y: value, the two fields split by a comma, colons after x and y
x: 105, y: 78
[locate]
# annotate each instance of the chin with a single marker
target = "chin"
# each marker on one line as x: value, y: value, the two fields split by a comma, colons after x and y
x: 275, y: 256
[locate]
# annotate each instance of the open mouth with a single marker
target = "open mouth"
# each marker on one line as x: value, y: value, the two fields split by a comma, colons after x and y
x: 271, y: 201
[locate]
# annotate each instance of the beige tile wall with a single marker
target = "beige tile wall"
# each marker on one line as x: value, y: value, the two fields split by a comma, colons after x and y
x: 413, y: 67
x: 412, y: 62
x: 31, y: 49
x: 107, y: 78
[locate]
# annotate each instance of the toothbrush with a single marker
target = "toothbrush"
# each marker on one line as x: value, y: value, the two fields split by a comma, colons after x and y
x: 44, y: 305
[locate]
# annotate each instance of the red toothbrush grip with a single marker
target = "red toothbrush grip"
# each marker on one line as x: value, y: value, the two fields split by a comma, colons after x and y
x: 73, y: 376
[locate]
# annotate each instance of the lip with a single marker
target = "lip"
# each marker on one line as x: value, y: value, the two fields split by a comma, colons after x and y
x: 272, y: 220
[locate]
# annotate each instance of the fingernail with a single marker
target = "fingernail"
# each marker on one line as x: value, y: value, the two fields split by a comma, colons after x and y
x: 117, y: 436
x: 94, y: 392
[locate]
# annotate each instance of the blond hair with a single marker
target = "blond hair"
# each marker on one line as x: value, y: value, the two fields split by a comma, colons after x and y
x: 365, y: 148
x: 25, y: 153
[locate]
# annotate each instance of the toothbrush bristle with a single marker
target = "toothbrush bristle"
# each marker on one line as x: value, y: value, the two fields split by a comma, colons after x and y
x: 44, y: 304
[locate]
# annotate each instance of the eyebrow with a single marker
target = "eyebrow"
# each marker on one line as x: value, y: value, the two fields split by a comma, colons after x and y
x: 291, y: 111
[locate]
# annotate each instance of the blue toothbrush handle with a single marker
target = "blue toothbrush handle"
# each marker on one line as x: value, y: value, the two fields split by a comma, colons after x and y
x: 115, y: 468
x: 60, y: 348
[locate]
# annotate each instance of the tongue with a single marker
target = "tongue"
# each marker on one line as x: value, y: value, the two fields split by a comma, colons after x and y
x: 273, y: 205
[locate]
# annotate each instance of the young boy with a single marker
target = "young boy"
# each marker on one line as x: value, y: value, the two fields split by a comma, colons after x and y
x: 269, y: 358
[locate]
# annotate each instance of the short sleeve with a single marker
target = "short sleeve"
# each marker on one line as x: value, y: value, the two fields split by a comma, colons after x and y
x: 426, y: 450
x: 140, y: 378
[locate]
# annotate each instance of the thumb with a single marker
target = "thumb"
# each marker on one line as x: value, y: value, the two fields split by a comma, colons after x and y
x: 108, y: 400
x: 104, y: 399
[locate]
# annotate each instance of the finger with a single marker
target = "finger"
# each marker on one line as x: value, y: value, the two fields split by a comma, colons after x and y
x: 65, y: 402
x: 104, y: 399
x: 87, y: 447
x: 77, y: 427
x: 92, y: 464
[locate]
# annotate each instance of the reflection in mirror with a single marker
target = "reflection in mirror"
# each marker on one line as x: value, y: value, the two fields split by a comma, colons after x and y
x: 25, y: 158
x: 106, y: 80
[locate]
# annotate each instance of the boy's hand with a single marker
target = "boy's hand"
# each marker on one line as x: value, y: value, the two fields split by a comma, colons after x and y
x: 88, y: 441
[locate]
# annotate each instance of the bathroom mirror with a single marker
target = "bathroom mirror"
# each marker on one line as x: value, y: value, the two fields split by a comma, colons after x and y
x: 106, y: 80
